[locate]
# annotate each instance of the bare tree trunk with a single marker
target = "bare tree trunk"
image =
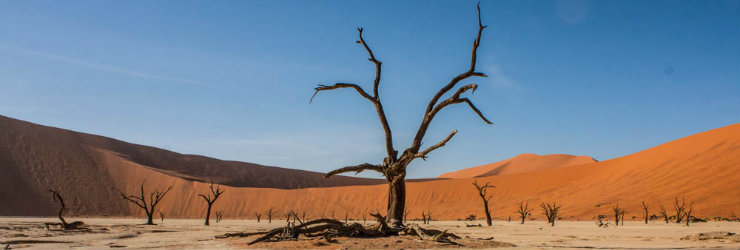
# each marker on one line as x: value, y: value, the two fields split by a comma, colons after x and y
x: 208, y: 214
x: 149, y: 218
x: 488, y: 213
x: 645, y: 209
x: 396, y: 202
x: 688, y: 213
x: 269, y: 216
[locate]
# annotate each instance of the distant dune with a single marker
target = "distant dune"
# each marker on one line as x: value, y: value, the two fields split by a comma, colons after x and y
x: 520, y: 164
x: 88, y: 170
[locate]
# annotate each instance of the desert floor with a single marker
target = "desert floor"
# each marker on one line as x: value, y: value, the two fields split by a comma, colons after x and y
x: 30, y: 233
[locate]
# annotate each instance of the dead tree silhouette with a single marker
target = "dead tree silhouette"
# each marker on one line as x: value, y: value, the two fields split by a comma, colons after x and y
x: 269, y: 215
x: 663, y: 213
x: 258, y: 216
x: 77, y: 225
x: 646, y: 212
x: 393, y: 167
x: 688, y: 213
x: 141, y: 201
x: 211, y: 198
x: 618, y: 212
x: 550, y: 210
x: 483, y: 193
x: 680, y: 209
x: 523, y: 210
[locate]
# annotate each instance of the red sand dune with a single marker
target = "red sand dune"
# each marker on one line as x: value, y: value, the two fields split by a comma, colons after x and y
x: 704, y: 168
x: 520, y: 164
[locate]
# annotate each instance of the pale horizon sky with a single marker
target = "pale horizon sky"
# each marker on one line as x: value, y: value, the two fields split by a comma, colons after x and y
x: 232, y: 79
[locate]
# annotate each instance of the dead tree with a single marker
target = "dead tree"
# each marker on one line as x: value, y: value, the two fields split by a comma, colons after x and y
x: 663, y: 213
x: 393, y: 167
x: 406, y: 216
x: 161, y: 216
x: 426, y: 216
x: 269, y: 215
x: 523, y: 210
x: 680, y: 209
x: 483, y: 193
x: 550, y: 210
x: 688, y: 213
x: 622, y: 217
x: 141, y: 201
x: 346, y: 216
x: 211, y: 198
x: 219, y: 216
x: 258, y: 216
x: 62, y: 207
x: 645, y: 210
x: 618, y: 212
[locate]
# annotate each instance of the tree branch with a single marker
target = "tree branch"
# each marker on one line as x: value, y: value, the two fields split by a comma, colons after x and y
x: 357, y: 169
x: 423, y: 154
x: 342, y: 85
x: 376, y: 83
x: 375, y: 98
x: 470, y: 73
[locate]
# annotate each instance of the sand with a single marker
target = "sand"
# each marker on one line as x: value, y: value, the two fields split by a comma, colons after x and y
x: 191, y: 234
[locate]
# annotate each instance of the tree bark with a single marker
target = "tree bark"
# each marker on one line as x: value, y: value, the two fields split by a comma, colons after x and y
x: 149, y: 219
x: 208, y: 214
x: 396, y: 202
x: 488, y: 213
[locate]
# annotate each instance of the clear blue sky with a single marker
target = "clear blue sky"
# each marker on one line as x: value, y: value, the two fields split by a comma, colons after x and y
x: 232, y: 80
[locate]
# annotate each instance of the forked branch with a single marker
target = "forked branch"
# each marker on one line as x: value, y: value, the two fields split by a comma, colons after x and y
x: 428, y: 114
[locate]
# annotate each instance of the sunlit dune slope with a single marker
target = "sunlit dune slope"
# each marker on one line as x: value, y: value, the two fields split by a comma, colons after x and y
x: 520, y: 164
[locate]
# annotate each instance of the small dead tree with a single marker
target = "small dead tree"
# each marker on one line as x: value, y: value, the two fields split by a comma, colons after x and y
x: 688, y: 213
x: 406, y: 216
x: 622, y: 219
x: 663, y: 213
x: 393, y: 166
x: 269, y: 215
x: 219, y: 216
x: 211, y: 198
x: 680, y: 209
x: 483, y: 193
x: 550, y: 210
x: 646, y: 212
x: 258, y: 215
x: 161, y: 216
x: 140, y: 200
x: 346, y: 217
x: 62, y: 207
x: 618, y: 213
x: 523, y: 210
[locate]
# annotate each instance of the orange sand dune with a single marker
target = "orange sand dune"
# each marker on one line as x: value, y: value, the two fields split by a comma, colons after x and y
x: 520, y: 164
x: 704, y: 168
